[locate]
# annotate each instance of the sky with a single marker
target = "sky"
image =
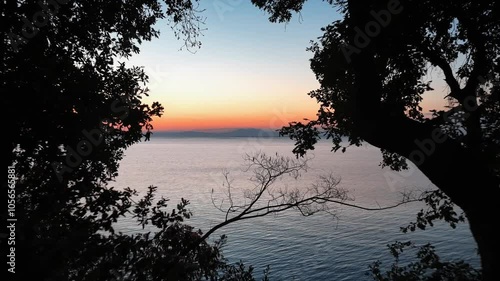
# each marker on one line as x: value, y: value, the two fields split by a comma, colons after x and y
x: 248, y: 73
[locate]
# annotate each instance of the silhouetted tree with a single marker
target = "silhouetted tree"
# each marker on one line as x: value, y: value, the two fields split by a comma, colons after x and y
x: 428, y: 267
x: 373, y: 66
x: 72, y: 107
x: 172, y: 251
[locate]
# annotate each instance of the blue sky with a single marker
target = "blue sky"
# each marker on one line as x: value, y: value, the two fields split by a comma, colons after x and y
x: 249, y: 72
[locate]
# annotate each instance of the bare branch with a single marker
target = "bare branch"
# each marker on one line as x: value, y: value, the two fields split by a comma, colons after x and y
x: 322, y: 196
x: 267, y: 198
x: 186, y: 20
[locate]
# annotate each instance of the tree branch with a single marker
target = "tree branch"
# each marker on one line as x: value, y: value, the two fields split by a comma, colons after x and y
x: 436, y: 60
x: 320, y: 197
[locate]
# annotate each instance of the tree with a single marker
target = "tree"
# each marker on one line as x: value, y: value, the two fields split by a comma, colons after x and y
x: 73, y: 106
x: 157, y: 255
x: 428, y: 267
x: 172, y: 252
x: 373, y: 66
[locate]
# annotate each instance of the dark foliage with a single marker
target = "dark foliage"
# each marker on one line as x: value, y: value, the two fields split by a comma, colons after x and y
x: 375, y: 64
x: 428, y: 267
x: 73, y: 107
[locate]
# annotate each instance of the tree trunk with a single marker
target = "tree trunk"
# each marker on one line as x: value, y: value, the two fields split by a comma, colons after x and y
x: 454, y: 169
x: 482, y: 220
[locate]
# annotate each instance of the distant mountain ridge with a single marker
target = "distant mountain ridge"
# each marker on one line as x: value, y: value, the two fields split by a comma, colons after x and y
x: 236, y: 133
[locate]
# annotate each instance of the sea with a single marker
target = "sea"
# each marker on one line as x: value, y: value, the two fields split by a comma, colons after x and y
x: 338, y: 245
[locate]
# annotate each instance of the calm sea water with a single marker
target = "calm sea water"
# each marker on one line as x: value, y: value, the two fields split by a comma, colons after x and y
x: 318, y: 247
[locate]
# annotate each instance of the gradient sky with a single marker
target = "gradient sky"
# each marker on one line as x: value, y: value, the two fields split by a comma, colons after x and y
x: 248, y: 73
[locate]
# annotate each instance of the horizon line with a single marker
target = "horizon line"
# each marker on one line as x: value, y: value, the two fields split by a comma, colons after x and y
x: 215, y: 130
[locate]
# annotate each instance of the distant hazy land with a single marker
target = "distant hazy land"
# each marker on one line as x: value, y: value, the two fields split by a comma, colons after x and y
x: 230, y: 133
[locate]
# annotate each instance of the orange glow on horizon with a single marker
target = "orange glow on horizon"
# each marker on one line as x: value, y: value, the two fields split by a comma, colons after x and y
x: 209, y: 122
x: 269, y: 111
